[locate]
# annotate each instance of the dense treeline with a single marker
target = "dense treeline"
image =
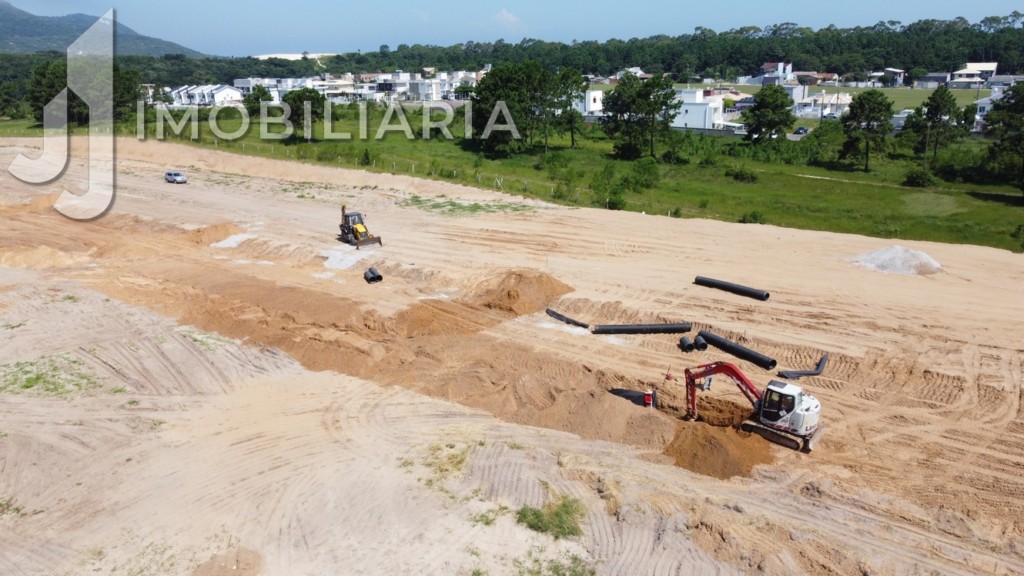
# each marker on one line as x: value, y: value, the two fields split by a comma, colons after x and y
x: 171, y: 69
x: 18, y: 70
x: 923, y: 46
x: 926, y: 45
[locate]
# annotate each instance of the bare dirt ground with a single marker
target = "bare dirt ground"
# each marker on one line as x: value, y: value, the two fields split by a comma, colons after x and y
x: 201, y: 383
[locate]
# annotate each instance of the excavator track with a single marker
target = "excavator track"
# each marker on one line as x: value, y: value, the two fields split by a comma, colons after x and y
x: 772, y: 435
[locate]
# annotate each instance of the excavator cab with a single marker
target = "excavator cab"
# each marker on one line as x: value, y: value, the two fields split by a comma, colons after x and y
x: 777, y: 404
x: 354, y: 222
x: 787, y: 408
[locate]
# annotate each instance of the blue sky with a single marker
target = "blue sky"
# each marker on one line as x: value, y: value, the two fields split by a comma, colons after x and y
x: 255, y: 27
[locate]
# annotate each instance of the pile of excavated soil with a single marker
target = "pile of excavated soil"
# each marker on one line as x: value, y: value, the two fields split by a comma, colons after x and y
x: 440, y: 318
x: 717, y: 451
x: 722, y: 412
x: 519, y: 292
x: 214, y: 233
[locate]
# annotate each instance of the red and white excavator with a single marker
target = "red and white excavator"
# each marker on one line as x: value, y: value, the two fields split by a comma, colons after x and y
x: 783, y: 413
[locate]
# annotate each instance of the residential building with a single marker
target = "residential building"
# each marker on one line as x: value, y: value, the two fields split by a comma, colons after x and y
x: 207, y: 95
x: 889, y: 77
x: 592, y: 104
x: 796, y: 92
x: 974, y: 75
x: 334, y: 88
x: 932, y: 80
x: 224, y: 95
x: 807, y: 77
x: 900, y: 118
x: 1003, y: 81
x: 985, y: 70
x: 635, y: 71
x: 966, y: 78
x: 777, y: 73
x: 823, y: 103
x: 380, y: 87
x: 700, y: 109
x: 984, y: 105
x: 828, y: 79
x: 247, y: 85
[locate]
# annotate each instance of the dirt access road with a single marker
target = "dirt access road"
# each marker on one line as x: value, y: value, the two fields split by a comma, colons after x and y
x: 224, y: 394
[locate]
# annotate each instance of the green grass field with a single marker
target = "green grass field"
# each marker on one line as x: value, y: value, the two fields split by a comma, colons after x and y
x: 790, y: 195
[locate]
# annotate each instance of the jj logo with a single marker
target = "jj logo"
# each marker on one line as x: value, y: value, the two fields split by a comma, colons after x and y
x: 90, y: 63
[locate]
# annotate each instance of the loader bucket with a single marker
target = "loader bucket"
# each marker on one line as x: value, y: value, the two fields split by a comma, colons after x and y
x: 368, y: 241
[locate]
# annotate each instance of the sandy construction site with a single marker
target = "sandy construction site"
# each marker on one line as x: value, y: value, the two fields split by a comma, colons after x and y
x: 201, y: 383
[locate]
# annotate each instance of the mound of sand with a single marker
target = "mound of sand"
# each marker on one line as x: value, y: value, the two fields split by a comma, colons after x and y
x: 715, y: 451
x: 214, y: 233
x: 440, y: 318
x: 899, y: 260
x: 722, y: 412
x: 604, y: 416
x: 520, y: 292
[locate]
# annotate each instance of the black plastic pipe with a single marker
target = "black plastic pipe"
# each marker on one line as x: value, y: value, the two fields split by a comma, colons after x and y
x: 642, y: 328
x: 566, y: 319
x: 730, y: 287
x: 372, y: 276
x: 738, y: 350
x: 686, y: 344
x: 699, y: 343
x: 796, y: 374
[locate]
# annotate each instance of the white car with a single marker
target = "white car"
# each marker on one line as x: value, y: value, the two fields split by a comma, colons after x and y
x: 175, y: 177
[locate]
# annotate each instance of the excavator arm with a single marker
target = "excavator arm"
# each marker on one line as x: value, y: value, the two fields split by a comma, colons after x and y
x: 706, y: 371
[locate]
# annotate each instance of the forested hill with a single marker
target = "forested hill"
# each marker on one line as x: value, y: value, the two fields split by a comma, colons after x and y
x: 22, y: 32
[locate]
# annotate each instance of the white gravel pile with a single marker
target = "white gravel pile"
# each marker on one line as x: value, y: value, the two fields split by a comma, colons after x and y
x: 899, y: 260
x: 342, y: 260
x: 233, y: 241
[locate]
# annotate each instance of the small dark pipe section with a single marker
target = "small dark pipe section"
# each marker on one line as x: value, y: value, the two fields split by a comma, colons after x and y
x: 642, y: 328
x: 699, y: 343
x: 796, y: 374
x: 738, y: 350
x: 686, y: 344
x: 566, y: 319
x: 372, y: 276
x: 635, y: 397
x: 730, y: 287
